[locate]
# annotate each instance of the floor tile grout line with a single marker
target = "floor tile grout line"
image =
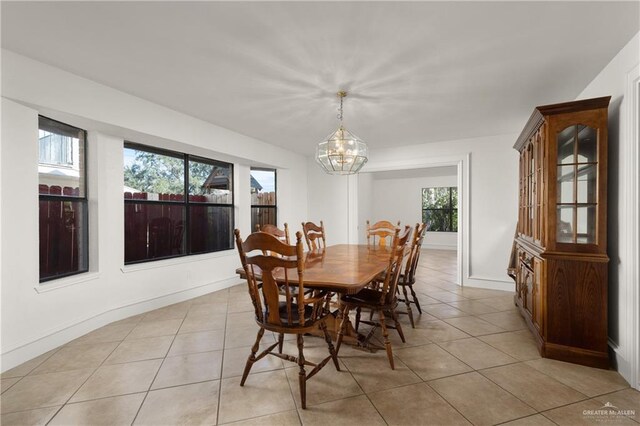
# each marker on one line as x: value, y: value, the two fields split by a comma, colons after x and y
x: 86, y: 380
x: 158, y: 371
x: 224, y: 345
x: 448, y: 402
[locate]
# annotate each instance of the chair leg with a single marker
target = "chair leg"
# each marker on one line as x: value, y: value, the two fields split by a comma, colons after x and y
x: 343, y: 327
x: 407, y: 302
x: 280, y: 342
x: 302, y: 375
x: 358, y: 311
x: 415, y: 299
x: 332, y: 350
x: 387, y: 342
x: 252, y: 357
x: 394, y: 314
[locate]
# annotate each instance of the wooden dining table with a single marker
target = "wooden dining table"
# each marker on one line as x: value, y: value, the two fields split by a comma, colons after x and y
x: 342, y: 269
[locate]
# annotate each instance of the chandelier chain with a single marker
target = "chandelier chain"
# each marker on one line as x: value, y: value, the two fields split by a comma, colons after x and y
x: 340, y: 113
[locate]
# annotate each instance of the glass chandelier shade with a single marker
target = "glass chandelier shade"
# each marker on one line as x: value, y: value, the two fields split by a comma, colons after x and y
x: 342, y: 152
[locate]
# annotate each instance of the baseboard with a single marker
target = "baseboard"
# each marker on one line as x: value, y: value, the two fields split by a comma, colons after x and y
x: 621, y: 364
x: 66, y: 333
x: 439, y: 247
x: 489, y: 284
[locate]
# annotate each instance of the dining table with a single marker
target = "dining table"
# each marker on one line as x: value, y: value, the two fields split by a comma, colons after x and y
x: 340, y: 269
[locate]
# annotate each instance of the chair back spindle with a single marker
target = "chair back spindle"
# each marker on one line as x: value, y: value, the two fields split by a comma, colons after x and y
x: 281, y: 234
x: 409, y: 275
x: 396, y: 259
x: 314, y: 235
x: 380, y: 232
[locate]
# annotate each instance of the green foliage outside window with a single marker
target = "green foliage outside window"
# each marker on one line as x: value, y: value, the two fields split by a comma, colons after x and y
x: 440, y: 209
x: 162, y: 174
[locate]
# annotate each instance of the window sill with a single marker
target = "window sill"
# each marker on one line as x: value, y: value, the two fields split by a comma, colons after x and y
x: 155, y: 264
x: 66, y: 282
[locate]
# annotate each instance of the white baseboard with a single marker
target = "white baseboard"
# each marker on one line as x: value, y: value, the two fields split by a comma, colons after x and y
x: 69, y: 332
x: 622, y: 365
x: 439, y: 247
x: 489, y: 284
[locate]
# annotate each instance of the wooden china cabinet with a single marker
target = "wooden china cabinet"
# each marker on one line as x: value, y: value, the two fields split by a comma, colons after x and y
x: 559, y: 259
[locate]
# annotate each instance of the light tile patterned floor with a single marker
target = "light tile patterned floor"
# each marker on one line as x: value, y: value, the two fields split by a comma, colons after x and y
x: 470, y: 359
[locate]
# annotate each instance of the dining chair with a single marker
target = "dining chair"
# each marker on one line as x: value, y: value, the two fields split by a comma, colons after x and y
x: 281, y: 234
x: 408, y: 275
x: 381, y: 298
x: 313, y: 234
x: 380, y: 231
x: 283, y: 312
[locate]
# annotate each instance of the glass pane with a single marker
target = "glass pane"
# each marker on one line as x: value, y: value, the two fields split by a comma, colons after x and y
x: 565, y: 184
x: 153, y: 230
x: 210, y: 228
x: 566, y: 140
x: 454, y: 198
x: 587, y: 144
x: 151, y: 176
x: 587, y: 188
x: 210, y: 183
x: 587, y: 225
x: 262, y: 216
x: 263, y: 187
x: 63, y: 238
x: 565, y: 224
x: 61, y: 159
x: 435, y: 198
x: 436, y: 220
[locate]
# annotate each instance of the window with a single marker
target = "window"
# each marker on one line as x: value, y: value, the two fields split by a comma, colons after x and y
x: 440, y: 209
x: 63, y: 230
x: 263, y: 198
x: 175, y: 204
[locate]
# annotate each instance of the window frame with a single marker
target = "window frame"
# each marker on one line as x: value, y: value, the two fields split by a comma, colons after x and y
x: 186, y: 158
x: 84, y: 200
x: 450, y: 209
x: 264, y: 206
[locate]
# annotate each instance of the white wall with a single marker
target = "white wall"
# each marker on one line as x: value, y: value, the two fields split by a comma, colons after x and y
x: 398, y: 198
x: 36, y: 318
x: 616, y: 79
x: 328, y: 202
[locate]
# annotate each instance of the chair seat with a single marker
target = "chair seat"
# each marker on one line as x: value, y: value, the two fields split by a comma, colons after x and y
x: 367, y: 297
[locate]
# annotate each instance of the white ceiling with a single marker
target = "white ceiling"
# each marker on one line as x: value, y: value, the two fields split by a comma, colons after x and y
x: 417, y: 72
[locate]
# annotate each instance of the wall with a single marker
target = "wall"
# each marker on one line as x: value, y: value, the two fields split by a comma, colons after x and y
x: 616, y: 80
x: 36, y: 318
x: 398, y: 198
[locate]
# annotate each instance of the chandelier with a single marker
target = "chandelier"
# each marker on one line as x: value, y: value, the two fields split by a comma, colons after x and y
x: 342, y: 152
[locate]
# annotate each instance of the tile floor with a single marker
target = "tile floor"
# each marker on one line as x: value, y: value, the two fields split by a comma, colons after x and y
x: 469, y: 360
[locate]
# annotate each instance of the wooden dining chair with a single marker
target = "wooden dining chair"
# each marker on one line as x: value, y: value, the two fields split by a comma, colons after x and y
x: 281, y: 234
x: 380, y: 232
x: 408, y: 275
x: 286, y: 311
x: 381, y: 298
x: 314, y: 235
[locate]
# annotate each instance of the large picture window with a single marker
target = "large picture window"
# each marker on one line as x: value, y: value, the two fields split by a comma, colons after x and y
x: 264, y: 208
x: 175, y: 204
x: 440, y: 209
x: 62, y: 227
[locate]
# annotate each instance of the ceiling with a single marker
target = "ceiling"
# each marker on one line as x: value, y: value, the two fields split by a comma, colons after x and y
x: 416, y: 71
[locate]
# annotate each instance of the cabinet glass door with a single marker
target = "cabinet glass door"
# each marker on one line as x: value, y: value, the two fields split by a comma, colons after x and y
x: 577, y: 184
